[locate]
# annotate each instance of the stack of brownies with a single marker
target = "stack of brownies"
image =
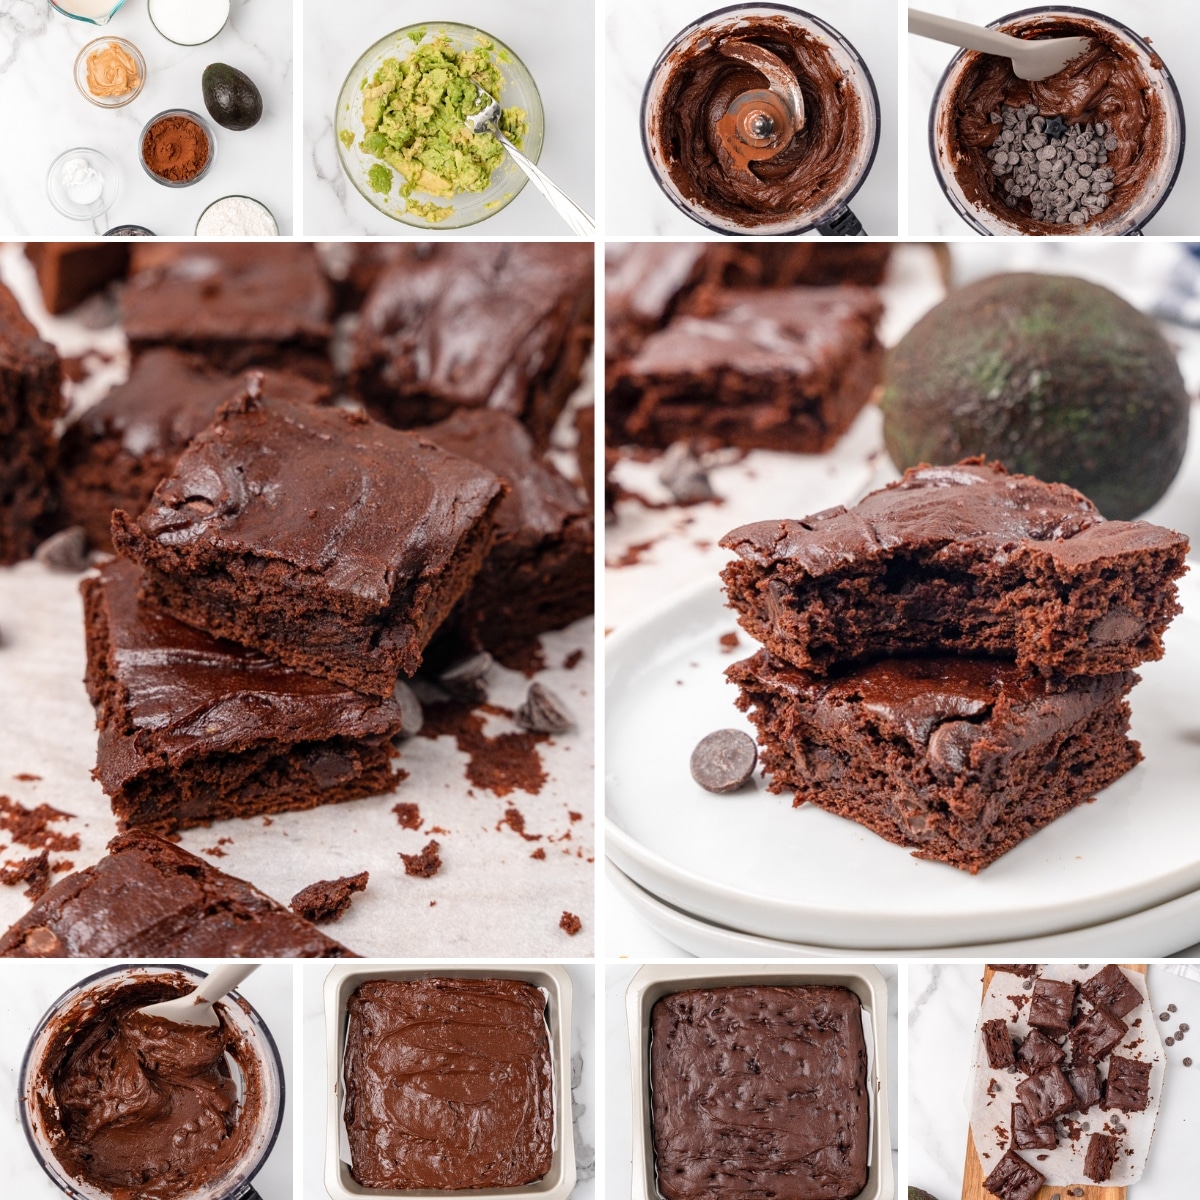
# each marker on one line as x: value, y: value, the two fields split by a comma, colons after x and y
x: 948, y: 662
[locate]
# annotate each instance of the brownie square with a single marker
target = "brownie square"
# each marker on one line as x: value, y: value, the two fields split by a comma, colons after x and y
x: 538, y: 574
x: 449, y: 1084
x: 1128, y: 1085
x: 148, y: 899
x: 1028, y: 1136
x: 1085, y: 1083
x: 121, y: 448
x: 1021, y: 970
x: 1046, y: 1094
x: 963, y: 559
x: 1053, y: 1006
x: 69, y: 272
x: 477, y: 325
x: 1037, y: 1051
x: 194, y: 729
x: 1112, y: 990
x: 1014, y: 1179
x: 252, y: 305
x: 759, y: 1090
x: 780, y: 370
x: 1101, y: 1157
x: 316, y: 536
x: 958, y: 758
x: 998, y: 1044
x: 1095, y: 1035
x: 30, y: 400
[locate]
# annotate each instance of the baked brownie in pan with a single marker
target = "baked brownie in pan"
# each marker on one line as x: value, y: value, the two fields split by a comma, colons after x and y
x: 477, y: 325
x: 959, y: 758
x: 148, y: 898
x: 1053, y: 1006
x: 255, y: 305
x: 194, y: 729
x: 1028, y: 1136
x: 1101, y: 1157
x: 30, y: 400
x: 998, y: 1044
x: 759, y: 1090
x: 780, y: 370
x: 538, y: 574
x: 963, y: 559
x: 69, y: 272
x: 121, y: 448
x: 448, y: 1084
x: 1112, y: 990
x: 1014, y: 1179
x: 315, y: 535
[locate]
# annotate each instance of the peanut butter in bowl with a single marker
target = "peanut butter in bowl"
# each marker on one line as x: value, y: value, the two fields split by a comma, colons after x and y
x: 110, y: 72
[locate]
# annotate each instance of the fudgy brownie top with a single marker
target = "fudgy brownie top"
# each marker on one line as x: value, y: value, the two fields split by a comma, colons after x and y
x: 1101, y: 1157
x: 1014, y: 1179
x: 1095, y: 1034
x: 1028, y: 1136
x: 1053, y: 1006
x: 147, y: 898
x: 1112, y: 990
x: 998, y: 1044
x: 1046, y: 1094
x: 1085, y: 1083
x: 448, y: 1084
x: 351, y: 506
x: 760, y: 1089
x: 1128, y: 1086
x: 1038, y: 1051
x: 175, y: 691
x: 977, y: 506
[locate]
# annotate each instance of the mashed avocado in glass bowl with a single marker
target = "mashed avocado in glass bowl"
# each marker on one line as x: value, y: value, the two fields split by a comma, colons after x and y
x: 401, y: 125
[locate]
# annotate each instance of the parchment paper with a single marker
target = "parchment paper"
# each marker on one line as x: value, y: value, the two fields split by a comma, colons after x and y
x: 490, y: 898
x: 991, y: 1124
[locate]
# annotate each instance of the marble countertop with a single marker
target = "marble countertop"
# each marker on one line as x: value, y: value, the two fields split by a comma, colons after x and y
x: 583, y: 1078
x: 618, y: 1129
x: 555, y: 40
x: 1171, y: 28
x: 634, y: 36
x: 29, y: 988
x: 942, y: 1004
x: 46, y: 115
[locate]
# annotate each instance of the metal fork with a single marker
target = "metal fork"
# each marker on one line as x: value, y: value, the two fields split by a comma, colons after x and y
x: 487, y: 120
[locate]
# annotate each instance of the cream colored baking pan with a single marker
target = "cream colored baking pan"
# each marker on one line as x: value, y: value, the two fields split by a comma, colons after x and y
x: 651, y: 983
x: 341, y: 983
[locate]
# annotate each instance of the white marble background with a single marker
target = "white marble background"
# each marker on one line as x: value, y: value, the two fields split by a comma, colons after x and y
x: 1172, y: 30
x: 28, y: 988
x: 555, y: 39
x: 618, y: 1082
x: 635, y: 33
x: 583, y: 1079
x: 943, y: 1002
x: 44, y: 114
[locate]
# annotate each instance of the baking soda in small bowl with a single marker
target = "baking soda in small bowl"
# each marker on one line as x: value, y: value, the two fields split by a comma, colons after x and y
x: 189, y: 22
x: 236, y: 216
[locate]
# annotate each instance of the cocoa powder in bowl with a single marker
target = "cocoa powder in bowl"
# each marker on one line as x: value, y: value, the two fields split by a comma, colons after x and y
x: 176, y: 148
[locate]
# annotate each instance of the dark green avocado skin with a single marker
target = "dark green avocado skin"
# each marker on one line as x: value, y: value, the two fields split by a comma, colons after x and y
x: 1051, y: 375
x: 230, y: 96
x: 915, y: 1193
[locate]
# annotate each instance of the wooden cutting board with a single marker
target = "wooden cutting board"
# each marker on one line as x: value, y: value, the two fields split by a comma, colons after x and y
x: 974, y: 1174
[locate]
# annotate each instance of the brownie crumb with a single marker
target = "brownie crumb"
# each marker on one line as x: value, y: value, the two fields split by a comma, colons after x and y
x: 539, y: 853
x: 215, y: 851
x: 26, y: 777
x: 514, y: 818
x: 327, y: 899
x: 570, y: 924
x: 30, y: 826
x: 63, y: 864
x: 35, y: 871
x: 575, y: 816
x: 425, y: 864
x: 525, y: 656
x: 572, y: 660
x: 633, y: 555
x: 729, y: 642
x: 503, y: 764
x: 409, y: 816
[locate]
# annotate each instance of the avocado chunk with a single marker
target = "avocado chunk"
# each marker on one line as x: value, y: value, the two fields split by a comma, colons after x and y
x: 231, y: 97
x: 1051, y: 375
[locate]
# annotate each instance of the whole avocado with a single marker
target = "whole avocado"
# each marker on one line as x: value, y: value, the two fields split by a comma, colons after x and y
x: 230, y: 96
x: 916, y: 1193
x: 1051, y: 375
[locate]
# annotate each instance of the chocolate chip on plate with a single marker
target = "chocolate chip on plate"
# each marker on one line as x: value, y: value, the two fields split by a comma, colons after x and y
x: 65, y: 550
x: 543, y: 711
x: 684, y: 476
x: 1172, y: 1008
x: 1164, y: 1016
x: 467, y: 678
x: 724, y: 760
x: 1187, y: 1062
x: 1170, y: 1041
x: 412, y: 715
x: 1184, y: 1028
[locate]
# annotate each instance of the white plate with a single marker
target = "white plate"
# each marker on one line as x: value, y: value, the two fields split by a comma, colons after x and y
x: 751, y: 862
x: 1158, y: 932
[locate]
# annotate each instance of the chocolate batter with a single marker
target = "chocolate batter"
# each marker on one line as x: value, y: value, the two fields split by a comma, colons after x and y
x: 793, y: 170
x: 143, y: 1108
x: 1105, y: 84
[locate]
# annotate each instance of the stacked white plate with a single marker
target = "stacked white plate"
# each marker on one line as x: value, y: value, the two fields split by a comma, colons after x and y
x: 748, y: 873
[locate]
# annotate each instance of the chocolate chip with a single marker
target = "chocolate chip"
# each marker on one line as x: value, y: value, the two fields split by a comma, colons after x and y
x: 1164, y: 1016
x: 1184, y: 1028
x: 64, y: 551
x: 412, y: 715
x: 950, y: 747
x: 1170, y: 1041
x: 724, y: 760
x: 1187, y: 1062
x: 543, y: 711
x: 467, y: 678
x: 684, y: 476
x: 1178, y: 1037
x: 1028, y: 985
x: 1172, y: 1008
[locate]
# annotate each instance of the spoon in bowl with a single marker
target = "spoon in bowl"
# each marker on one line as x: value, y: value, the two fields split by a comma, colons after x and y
x: 196, y: 1008
x: 1032, y: 60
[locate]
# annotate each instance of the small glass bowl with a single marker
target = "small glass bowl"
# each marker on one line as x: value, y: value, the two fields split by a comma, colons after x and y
x: 208, y: 131
x: 518, y: 90
x: 81, y: 72
x: 173, y: 41
x: 129, y: 231
x: 99, y: 163
x: 238, y: 196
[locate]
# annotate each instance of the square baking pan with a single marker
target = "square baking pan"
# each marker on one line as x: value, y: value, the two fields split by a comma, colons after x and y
x: 651, y: 983
x: 341, y: 983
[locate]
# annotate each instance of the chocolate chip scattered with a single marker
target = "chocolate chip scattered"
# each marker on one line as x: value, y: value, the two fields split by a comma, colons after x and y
x: 1011, y: 1070
x: 1170, y: 1041
x: 1164, y: 1016
x: 64, y: 551
x: 543, y: 711
x: 684, y: 476
x: 1179, y: 1037
x: 467, y: 678
x: 1056, y: 127
x: 724, y: 760
x: 412, y: 715
x: 1172, y: 1008
x: 1184, y: 1028
x: 1028, y: 985
x: 1187, y: 1062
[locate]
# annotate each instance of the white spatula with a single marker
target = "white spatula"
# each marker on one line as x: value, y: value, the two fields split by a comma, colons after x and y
x: 196, y: 1008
